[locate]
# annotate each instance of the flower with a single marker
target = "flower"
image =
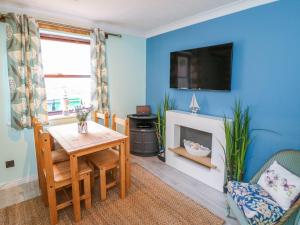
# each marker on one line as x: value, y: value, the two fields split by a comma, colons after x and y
x: 82, y: 112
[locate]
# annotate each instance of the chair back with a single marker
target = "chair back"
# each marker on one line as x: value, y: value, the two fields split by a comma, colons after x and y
x: 290, y: 159
x: 124, y: 123
x: 37, y: 126
x: 287, y: 158
x: 121, y: 122
x: 96, y: 116
x: 46, y: 157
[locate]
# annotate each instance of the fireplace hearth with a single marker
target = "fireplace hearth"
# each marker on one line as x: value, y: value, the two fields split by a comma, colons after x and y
x: 205, y: 130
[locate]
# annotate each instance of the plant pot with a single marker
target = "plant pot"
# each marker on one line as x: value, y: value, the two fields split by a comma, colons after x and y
x: 82, y: 127
x: 226, y: 180
x: 225, y: 189
x: 162, y: 154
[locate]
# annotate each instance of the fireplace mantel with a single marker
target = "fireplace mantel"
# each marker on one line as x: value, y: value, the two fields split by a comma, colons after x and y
x: 213, y: 177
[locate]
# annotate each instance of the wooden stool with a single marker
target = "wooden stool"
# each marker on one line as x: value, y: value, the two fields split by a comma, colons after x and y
x: 107, y: 161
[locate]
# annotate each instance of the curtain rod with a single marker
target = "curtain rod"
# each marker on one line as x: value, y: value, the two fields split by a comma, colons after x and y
x: 70, y: 28
x: 67, y: 28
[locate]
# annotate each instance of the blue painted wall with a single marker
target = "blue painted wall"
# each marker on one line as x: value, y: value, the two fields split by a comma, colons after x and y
x: 266, y: 72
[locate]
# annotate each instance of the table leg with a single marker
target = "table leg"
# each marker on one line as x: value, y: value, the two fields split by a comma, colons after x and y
x: 87, y: 191
x: 122, y: 170
x: 75, y: 187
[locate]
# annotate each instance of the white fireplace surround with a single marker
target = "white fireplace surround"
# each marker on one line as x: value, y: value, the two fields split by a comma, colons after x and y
x: 213, y: 177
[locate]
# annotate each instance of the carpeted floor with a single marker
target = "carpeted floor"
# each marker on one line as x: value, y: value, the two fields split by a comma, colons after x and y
x: 149, y: 201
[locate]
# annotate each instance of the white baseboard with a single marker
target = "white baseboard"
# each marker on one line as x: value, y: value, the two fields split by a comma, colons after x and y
x: 17, y: 182
x: 19, y: 190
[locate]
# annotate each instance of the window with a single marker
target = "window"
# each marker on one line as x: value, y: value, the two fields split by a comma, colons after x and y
x: 66, y: 63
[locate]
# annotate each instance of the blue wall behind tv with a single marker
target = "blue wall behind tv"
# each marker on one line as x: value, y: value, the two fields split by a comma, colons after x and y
x: 265, y: 76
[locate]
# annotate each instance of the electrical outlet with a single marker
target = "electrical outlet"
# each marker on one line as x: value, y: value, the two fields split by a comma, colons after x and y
x: 10, y: 163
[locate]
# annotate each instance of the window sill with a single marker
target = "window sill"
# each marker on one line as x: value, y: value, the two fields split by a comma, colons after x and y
x: 62, y: 119
x: 58, y: 117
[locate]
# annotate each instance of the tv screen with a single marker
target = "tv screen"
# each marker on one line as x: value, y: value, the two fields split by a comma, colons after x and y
x: 202, y: 68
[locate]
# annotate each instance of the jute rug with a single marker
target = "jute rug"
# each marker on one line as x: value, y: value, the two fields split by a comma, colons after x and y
x: 149, y: 201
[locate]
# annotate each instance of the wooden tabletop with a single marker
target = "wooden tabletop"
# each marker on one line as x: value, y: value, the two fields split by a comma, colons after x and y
x: 68, y: 137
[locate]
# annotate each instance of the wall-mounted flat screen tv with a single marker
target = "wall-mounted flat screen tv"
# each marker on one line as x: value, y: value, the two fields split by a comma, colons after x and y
x: 206, y: 68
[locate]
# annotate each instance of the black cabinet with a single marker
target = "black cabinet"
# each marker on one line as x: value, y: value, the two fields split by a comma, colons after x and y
x: 143, y: 139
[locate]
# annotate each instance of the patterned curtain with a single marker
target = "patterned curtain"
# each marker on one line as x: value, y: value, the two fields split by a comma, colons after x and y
x: 25, y: 72
x: 99, y: 76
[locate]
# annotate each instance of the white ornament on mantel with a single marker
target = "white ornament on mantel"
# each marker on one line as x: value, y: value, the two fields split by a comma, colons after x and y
x: 194, y: 105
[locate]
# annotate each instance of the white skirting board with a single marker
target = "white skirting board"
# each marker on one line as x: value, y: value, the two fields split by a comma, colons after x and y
x: 210, y: 124
x: 17, y: 182
x: 19, y: 190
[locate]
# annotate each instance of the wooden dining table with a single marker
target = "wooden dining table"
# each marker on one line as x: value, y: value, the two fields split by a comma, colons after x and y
x: 76, y: 145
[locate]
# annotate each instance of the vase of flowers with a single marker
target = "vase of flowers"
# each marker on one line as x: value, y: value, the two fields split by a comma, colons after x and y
x: 81, y: 114
x: 82, y: 127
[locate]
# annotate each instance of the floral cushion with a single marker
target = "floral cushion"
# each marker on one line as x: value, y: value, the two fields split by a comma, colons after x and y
x: 257, y: 205
x: 281, y: 184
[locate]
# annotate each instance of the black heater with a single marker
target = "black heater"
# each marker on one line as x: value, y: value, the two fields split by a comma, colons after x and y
x: 143, y: 139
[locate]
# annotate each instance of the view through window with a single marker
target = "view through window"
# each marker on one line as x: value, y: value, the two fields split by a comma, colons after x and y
x: 66, y: 64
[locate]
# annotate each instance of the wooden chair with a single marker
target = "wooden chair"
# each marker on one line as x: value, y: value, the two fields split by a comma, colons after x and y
x: 96, y: 116
x: 125, y: 124
x: 290, y: 159
x: 107, y: 161
x: 104, y: 117
x: 58, y: 176
x: 42, y: 183
x: 57, y: 155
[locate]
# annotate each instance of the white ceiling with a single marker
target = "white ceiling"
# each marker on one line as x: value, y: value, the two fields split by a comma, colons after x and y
x: 139, y: 17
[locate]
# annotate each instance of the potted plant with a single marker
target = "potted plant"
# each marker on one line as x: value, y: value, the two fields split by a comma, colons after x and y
x: 238, y: 139
x: 160, y: 125
x: 81, y: 114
